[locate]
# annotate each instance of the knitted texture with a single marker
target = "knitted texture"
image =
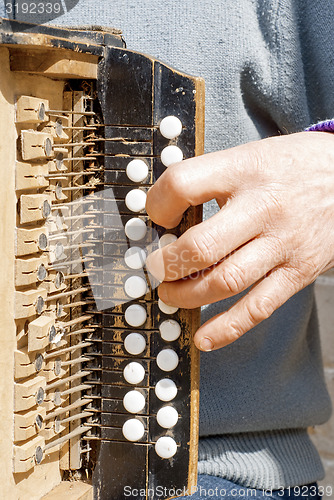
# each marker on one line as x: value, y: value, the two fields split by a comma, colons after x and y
x: 257, y: 459
x: 268, y: 69
x: 324, y: 126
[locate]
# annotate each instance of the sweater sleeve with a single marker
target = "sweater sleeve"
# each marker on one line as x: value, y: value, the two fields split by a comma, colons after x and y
x: 324, y: 126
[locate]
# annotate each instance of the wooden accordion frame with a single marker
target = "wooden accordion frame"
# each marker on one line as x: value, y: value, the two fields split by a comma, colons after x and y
x: 76, y: 108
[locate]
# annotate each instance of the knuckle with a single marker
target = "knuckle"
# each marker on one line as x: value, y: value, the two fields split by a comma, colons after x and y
x: 277, y: 247
x: 203, y: 246
x: 299, y: 275
x: 259, y: 309
x: 171, y: 186
x: 247, y: 162
x: 272, y: 209
x: 175, y: 182
x: 268, y: 210
x: 235, y: 331
x: 309, y: 270
x: 253, y: 167
x: 230, y: 278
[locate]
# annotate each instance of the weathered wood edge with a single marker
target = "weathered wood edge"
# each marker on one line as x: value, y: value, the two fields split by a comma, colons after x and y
x: 196, y: 315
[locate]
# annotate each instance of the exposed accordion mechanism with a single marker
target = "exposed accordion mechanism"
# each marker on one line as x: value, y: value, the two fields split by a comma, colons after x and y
x: 99, y: 384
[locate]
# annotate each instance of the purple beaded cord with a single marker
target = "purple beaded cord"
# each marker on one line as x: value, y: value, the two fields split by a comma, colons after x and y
x: 325, y: 126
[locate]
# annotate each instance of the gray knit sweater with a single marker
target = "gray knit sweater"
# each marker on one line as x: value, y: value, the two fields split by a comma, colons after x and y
x: 268, y: 67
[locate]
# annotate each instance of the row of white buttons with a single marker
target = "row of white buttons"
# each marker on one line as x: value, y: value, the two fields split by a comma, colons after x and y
x: 167, y: 360
x: 133, y: 430
x: 135, y: 257
x: 137, y: 170
x: 170, y: 330
x: 135, y: 229
x: 170, y: 128
x: 135, y: 315
x: 134, y: 402
x: 135, y: 343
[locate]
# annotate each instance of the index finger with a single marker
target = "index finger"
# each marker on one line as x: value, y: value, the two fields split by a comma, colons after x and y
x: 207, y: 243
x: 196, y: 181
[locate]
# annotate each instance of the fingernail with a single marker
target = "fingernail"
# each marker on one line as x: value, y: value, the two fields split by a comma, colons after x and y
x: 206, y: 344
x: 155, y: 265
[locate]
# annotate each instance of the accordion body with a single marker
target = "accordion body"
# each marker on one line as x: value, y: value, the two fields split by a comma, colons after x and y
x: 99, y: 386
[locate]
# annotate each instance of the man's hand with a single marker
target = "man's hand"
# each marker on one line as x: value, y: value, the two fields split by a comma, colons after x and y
x: 275, y: 229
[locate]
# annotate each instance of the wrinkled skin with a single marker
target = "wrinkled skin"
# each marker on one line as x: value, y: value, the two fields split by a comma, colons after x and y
x: 274, y: 231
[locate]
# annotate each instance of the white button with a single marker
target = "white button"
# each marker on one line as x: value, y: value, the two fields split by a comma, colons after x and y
x: 135, y: 343
x: 135, y: 200
x: 135, y: 257
x: 170, y: 127
x: 167, y: 417
x: 134, y: 373
x: 135, y: 229
x: 166, y: 239
x: 134, y: 402
x: 170, y: 155
x: 133, y: 429
x: 166, y: 447
x: 135, y: 315
x: 137, y: 170
x: 165, y: 390
x: 170, y: 330
x: 166, y: 309
x: 167, y: 360
x: 135, y: 287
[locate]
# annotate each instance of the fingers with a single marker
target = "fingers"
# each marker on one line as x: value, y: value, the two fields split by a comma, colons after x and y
x: 195, y: 181
x: 256, y: 306
x: 207, y: 243
x: 229, y: 277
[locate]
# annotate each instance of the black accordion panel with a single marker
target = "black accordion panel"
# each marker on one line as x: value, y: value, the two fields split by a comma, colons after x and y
x: 105, y: 374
